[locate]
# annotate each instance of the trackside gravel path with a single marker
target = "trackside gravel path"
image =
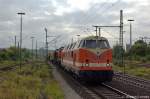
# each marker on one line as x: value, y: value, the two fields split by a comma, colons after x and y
x: 68, y: 91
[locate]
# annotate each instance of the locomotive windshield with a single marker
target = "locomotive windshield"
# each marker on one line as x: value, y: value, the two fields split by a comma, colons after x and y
x: 95, y: 44
x: 103, y: 44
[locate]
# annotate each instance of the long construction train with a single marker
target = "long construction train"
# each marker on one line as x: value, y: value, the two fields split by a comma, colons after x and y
x: 89, y: 59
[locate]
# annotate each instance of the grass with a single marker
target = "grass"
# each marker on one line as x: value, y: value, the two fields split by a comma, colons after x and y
x: 131, y: 69
x: 7, y: 63
x: 31, y: 82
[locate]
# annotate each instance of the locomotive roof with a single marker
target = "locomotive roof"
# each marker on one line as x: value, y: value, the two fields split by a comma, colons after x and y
x: 94, y: 38
x: 72, y: 45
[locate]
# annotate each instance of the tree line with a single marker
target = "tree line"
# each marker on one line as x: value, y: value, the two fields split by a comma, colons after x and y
x: 139, y: 51
x: 12, y: 53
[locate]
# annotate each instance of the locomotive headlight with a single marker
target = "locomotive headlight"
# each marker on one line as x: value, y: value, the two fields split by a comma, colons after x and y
x: 86, y: 64
x: 107, y: 64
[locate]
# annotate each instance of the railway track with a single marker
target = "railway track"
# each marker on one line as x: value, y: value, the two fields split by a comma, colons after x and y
x: 131, y: 85
x: 107, y: 92
x: 132, y: 80
x: 101, y: 91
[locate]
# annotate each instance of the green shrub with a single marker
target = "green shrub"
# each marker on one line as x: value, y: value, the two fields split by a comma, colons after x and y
x: 143, y: 59
x: 12, y: 54
x: 148, y: 57
x: 136, y: 57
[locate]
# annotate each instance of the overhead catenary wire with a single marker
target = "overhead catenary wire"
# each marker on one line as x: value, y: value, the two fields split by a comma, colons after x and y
x: 92, y: 8
x: 102, y: 10
x: 87, y: 18
x: 110, y: 34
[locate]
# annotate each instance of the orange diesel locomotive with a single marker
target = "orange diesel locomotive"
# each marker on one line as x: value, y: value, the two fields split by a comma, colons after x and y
x: 89, y: 59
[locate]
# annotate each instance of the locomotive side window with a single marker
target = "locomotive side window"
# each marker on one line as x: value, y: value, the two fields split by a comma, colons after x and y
x: 70, y: 46
x: 77, y: 45
x: 73, y: 45
x: 81, y: 43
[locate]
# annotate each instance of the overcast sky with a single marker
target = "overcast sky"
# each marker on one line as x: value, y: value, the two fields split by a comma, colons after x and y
x: 68, y: 18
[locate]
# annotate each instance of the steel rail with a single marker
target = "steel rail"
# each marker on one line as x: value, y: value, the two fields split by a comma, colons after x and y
x: 123, y: 94
x: 137, y: 82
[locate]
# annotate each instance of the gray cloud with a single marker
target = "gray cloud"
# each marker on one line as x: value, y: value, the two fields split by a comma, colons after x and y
x: 71, y: 21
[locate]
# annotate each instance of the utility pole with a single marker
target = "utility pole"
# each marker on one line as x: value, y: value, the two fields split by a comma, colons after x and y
x: 121, y: 40
x: 32, y: 46
x: 15, y: 48
x: 20, y: 52
x: 130, y: 20
x: 15, y: 42
x: 121, y: 28
x: 99, y: 31
x: 72, y: 40
x: 46, y: 44
x: 36, y: 49
x: 96, y: 29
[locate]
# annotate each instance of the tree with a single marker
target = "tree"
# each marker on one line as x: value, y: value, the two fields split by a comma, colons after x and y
x: 139, y: 48
x: 12, y: 54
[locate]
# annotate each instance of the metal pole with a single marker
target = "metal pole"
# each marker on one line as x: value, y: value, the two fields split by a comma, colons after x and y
x: 130, y: 35
x: 72, y: 40
x: 96, y: 29
x: 20, y: 43
x: 20, y: 52
x: 32, y: 47
x: 121, y: 40
x: 15, y: 42
x: 15, y: 48
x: 46, y: 45
x: 36, y: 49
x: 121, y: 28
x: 130, y: 20
x: 55, y: 44
x: 99, y: 32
